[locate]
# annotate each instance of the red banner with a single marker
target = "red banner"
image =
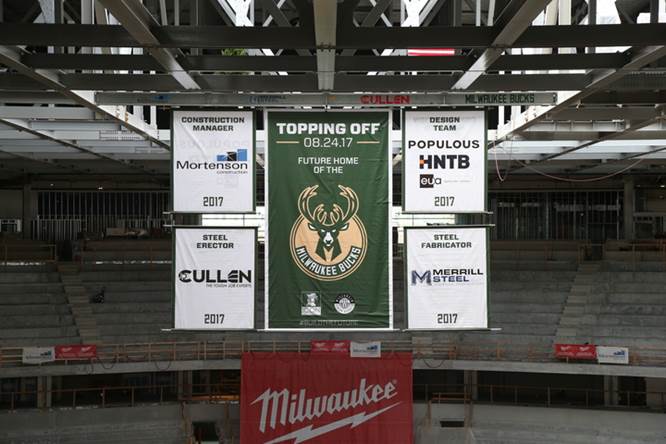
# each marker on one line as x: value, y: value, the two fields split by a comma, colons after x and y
x: 75, y: 351
x: 317, y: 346
x: 576, y: 351
x: 325, y: 398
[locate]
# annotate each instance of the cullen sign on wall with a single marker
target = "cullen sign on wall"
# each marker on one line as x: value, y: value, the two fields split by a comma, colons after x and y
x: 328, y: 255
x: 444, y: 162
x: 214, y: 278
x: 446, y: 278
x: 326, y: 398
x: 213, y: 161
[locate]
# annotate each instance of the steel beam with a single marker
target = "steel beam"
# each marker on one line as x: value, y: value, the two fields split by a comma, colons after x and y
x: 347, y: 38
x: 24, y: 126
x: 138, y: 21
x: 599, y: 81
x: 9, y: 57
x: 509, y: 33
x: 325, y: 24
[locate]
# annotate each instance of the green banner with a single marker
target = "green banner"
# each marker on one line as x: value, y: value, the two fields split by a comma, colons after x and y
x: 328, y: 221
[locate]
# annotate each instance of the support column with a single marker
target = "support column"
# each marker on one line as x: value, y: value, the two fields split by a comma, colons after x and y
x: 471, y: 378
x: 44, y: 387
x: 26, y: 216
x: 185, y: 385
x: 611, y: 384
x: 629, y: 207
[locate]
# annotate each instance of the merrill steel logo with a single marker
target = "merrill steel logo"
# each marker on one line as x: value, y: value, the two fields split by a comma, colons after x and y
x: 444, y: 276
x: 289, y: 409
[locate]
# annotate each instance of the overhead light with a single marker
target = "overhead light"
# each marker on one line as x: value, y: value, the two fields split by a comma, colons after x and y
x: 100, y: 187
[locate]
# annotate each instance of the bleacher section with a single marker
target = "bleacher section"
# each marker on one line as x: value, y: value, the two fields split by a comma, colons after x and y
x: 530, y: 288
x: 33, y: 308
x: 137, y: 301
x: 628, y: 308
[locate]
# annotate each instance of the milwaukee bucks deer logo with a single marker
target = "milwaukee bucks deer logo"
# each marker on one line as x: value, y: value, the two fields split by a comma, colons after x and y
x: 328, y: 240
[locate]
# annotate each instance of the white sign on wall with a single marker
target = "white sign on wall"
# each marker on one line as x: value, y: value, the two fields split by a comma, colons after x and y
x: 446, y: 278
x: 214, y: 278
x: 444, y: 162
x: 612, y: 355
x: 213, y: 161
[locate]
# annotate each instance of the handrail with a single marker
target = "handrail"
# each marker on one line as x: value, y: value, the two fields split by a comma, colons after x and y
x: 132, y: 395
x: 434, y: 355
x: 6, y: 258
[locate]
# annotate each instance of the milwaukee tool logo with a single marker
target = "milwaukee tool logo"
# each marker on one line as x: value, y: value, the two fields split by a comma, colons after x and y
x: 284, y: 408
x: 325, y: 398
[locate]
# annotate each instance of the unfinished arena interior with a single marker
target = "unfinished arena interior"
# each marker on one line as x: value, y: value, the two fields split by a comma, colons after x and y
x: 332, y: 221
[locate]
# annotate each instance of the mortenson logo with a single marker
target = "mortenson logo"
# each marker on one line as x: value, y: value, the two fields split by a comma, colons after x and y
x: 215, y: 276
x: 283, y: 407
x: 231, y: 160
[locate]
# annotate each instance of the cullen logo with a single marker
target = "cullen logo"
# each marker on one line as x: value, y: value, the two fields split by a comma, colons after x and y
x: 287, y: 408
x: 215, y: 276
x: 429, y: 181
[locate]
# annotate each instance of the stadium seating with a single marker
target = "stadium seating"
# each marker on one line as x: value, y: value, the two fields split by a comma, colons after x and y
x: 33, y: 307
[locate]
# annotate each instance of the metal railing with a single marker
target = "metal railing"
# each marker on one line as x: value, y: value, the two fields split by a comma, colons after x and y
x: 433, y: 355
x: 17, y: 252
x: 499, y: 394
x: 543, y: 396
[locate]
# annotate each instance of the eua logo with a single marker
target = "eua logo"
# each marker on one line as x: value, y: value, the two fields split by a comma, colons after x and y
x: 215, y: 276
x: 429, y: 181
x: 328, y: 240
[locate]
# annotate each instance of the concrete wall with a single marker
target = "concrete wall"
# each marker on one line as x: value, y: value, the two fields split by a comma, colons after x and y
x: 490, y: 424
x: 11, y: 204
x: 512, y: 424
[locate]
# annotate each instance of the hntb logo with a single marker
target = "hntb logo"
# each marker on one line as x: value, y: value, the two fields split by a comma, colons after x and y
x: 240, y: 155
x: 425, y: 277
x: 443, y: 161
x: 429, y: 181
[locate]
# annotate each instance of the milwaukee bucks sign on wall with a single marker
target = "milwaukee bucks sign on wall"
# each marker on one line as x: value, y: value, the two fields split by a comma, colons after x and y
x: 328, y: 257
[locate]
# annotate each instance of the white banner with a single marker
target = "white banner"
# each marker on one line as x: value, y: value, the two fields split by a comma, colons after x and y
x: 447, y: 278
x: 365, y: 349
x: 213, y: 161
x: 444, y: 162
x: 214, y: 278
x: 38, y: 355
x: 612, y: 355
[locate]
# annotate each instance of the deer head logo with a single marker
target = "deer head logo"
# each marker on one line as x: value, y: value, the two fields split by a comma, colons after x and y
x: 328, y: 223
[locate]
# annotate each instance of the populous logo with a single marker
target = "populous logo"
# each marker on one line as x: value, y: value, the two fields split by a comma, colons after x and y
x: 284, y: 408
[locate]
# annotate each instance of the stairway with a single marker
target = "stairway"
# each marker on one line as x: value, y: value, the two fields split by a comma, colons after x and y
x: 79, y: 303
x: 574, y: 312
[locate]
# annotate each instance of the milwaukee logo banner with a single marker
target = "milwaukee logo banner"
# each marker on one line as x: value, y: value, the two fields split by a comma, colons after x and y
x: 446, y: 278
x: 214, y: 278
x: 298, y: 398
x: 213, y: 161
x: 327, y: 188
x: 444, y: 162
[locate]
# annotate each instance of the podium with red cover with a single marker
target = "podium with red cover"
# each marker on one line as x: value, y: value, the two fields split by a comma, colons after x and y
x: 321, y: 398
